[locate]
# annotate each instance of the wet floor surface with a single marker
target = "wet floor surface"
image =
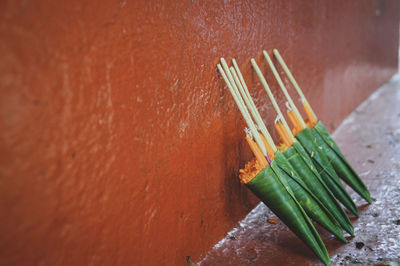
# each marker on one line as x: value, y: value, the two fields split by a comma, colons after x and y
x: 370, y: 139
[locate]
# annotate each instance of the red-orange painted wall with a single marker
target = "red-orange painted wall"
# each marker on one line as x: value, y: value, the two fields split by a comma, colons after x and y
x: 119, y: 142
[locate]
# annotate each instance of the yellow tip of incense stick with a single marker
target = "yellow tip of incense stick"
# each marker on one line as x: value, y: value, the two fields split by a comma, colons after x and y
x: 270, y: 150
x: 297, y: 127
x: 256, y: 151
x: 280, y: 128
x: 311, y: 118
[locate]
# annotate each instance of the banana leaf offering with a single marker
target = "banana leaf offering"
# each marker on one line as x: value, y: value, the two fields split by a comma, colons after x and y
x: 339, y: 162
x: 302, y: 161
x: 275, y: 181
x: 316, y: 209
x: 298, y: 179
x: 324, y: 143
x: 312, y: 144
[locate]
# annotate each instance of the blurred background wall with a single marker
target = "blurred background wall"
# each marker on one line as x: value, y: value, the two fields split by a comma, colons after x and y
x: 119, y: 142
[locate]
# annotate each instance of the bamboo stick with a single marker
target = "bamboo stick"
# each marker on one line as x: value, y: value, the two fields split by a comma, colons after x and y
x: 285, y: 135
x: 256, y: 151
x: 271, y: 97
x: 283, y: 88
x: 251, y: 106
x: 248, y: 104
x: 262, y: 126
x: 242, y: 108
x: 291, y: 78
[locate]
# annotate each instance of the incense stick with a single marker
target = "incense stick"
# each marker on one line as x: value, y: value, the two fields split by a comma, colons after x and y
x: 291, y: 78
x: 235, y: 65
x: 283, y: 88
x: 295, y: 122
x: 249, y: 102
x: 270, y: 152
x: 256, y: 150
x: 271, y: 97
x: 242, y: 109
x: 253, y: 108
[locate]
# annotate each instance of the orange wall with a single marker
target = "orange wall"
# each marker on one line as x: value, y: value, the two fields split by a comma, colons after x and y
x: 119, y: 142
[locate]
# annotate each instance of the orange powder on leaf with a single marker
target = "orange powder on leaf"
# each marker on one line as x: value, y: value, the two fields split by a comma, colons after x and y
x: 251, y: 169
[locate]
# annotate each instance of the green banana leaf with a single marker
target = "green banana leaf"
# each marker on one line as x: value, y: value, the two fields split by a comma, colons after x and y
x: 277, y: 195
x: 326, y: 170
x: 339, y: 162
x: 303, y: 165
x: 314, y: 208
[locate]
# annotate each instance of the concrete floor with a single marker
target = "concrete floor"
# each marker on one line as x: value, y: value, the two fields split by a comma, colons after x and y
x: 370, y: 139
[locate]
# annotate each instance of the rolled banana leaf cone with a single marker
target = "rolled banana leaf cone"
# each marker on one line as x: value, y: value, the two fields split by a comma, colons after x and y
x: 314, y: 208
x: 339, y: 162
x: 308, y: 141
x: 307, y: 171
x: 277, y: 195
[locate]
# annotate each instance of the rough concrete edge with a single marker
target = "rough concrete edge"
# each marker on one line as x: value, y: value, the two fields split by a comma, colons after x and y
x: 252, y: 215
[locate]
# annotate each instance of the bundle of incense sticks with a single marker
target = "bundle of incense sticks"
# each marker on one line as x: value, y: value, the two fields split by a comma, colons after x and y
x: 297, y: 179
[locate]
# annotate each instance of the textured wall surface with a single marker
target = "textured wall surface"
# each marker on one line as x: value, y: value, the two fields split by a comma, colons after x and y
x: 120, y: 144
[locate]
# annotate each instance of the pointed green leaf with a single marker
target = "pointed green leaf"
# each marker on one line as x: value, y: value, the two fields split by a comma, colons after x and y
x: 277, y: 195
x: 339, y: 162
x: 321, y: 187
x: 325, y: 169
x: 315, y: 184
x: 315, y: 209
